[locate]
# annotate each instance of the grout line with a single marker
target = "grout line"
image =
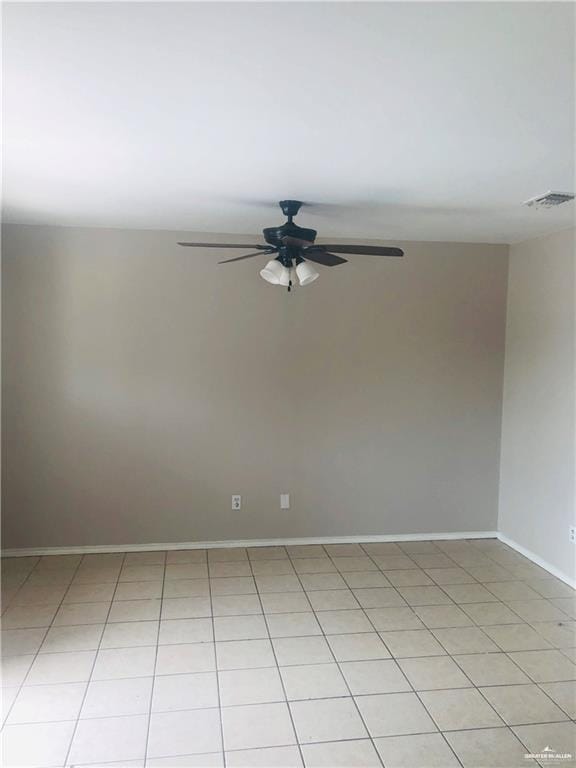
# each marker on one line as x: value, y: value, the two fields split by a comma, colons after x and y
x: 92, y: 669
x: 147, y: 739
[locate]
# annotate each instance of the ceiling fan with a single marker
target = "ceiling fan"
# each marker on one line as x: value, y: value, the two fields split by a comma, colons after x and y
x: 295, y: 247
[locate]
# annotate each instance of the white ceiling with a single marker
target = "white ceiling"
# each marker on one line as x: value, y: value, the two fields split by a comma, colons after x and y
x: 418, y: 121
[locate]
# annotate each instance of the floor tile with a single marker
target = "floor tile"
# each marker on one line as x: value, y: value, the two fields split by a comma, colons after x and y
x: 344, y: 550
x: 406, y: 643
x: 394, y: 714
x: 15, y: 669
x: 293, y: 624
x: 250, y: 686
x: 179, y: 556
x: 76, y: 638
x: 73, y: 667
x: 348, y: 564
x: 47, y: 703
x: 145, y: 558
x: 257, y: 725
x: 186, y: 607
x: 21, y: 642
x: 313, y: 681
x: 39, y: 595
x: 112, y: 698
x: 240, y: 628
x: 560, y: 634
x: 206, y: 760
x: 38, y: 744
x: 138, y: 590
x: 522, y: 704
x: 188, y: 587
x: 240, y: 585
x: 185, y: 659
x: 551, y: 588
x: 358, y: 753
x: 464, y: 640
x: 199, y: 570
x: 381, y: 676
x: 389, y: 619
x: 142, y: 573
x: 449, y: 576
x: 129, y: 634
x: 227, y: 555
x: 81, y: 613
x: 301, y: 650
x: 306, y: 550
x: 272, y: 568
x: 116, y: 663
x: 245, y: 654
x: 109, y: 739
x: 424, y: 596
x: 266, y: 757
x: 487, y: 614
x: 469, y: 593
x: 415, y: 577
x: 327, y: 720
x: 228, y: 570
x: 537, y: 610
x: 394, y: 563
x: 491, y: 669
x: 440, y: 616
x: 267, y: 553
x: 560, y: 736
x: 332, y: 599
x: 545, y: 666
x: 184, y: 733
x: 427, y: 674
x: 427, y: 750
x: 314, y: 581
x: 488, y: 573
x: 366, y: 579
x: 512, y: 590
x: 289, y: 602
x: 236, y: 605
x: 563, y: 694
x: 339, y: 622
x: 135, y: 610
x: 357, y: 647
x: 455, y: 710
x: 28, y: 616
x: 178, y: 692
x: 488, y: 748
x: 314, y: 565
x: 378, y: 597
x: 278, y: 584
x: 516, y: 637
x: 176, y: 631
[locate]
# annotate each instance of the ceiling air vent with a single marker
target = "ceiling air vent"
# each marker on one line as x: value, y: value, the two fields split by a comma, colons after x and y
x: 549, y: 199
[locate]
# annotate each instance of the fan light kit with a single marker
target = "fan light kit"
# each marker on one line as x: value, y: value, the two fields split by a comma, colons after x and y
x: 294, y: 248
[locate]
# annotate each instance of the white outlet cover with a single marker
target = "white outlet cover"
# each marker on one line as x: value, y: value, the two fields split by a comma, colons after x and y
x: 237, y: 502
x: 284, y: 501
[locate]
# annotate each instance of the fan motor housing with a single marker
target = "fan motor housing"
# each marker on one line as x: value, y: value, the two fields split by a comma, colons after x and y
x: 274, y: 235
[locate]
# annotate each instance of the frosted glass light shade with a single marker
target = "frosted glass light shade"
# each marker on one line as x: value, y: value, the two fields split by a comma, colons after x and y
x: 306, y: 273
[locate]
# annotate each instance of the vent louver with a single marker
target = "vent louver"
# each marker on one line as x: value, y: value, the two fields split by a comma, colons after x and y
x: 549, y: 200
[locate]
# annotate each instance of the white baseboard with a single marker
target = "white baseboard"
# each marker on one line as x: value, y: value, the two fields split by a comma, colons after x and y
x: 104, y: 548
x: 570, y: 580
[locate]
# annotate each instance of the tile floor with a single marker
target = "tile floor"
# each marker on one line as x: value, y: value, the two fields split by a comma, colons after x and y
x: 408, y: 655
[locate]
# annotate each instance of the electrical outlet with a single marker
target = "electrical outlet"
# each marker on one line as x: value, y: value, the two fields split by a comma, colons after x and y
x: 284, y: 501
x: 573, y: 534
x: 237, y: 502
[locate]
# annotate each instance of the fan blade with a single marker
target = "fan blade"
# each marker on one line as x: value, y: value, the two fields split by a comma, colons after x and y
x: 320, y: 256
x: 227, y: 245
x: 296, y: 242
x: 367, y: 250
x: 248, y: 256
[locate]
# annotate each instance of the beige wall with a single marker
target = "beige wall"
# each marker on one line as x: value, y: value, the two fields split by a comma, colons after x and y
x: 537, y: 472
x: 144, y: 385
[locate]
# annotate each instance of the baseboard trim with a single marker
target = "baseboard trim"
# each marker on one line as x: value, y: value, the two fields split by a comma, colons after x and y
x: 537, y: 560
x: 169, y: 546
